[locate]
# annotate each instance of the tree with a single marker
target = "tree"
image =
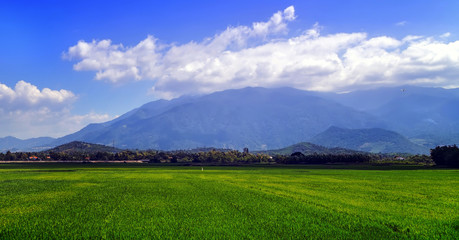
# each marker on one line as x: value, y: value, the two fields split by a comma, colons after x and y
x: 9, y: 156
x: 445, y: 155
x: 297, y: 154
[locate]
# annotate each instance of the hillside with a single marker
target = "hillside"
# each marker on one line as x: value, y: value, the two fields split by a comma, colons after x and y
x: 306, y: 149
x: 427, y: 116
x: 261, y: 119
x: 256, y: 118
x: 33, y: 144
x: 375, y: 140
x: 82, y: 147
x: 435, y: 119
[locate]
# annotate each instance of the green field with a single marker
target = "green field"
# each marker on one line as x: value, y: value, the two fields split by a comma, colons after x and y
x: 62, y: 201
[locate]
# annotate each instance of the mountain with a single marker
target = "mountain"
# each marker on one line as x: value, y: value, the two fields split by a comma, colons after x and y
x: 427, y: 116
x: 257, y: 118
x: 370, y: 99
x: 431, y: 120
x: 375, y: 140
x: 34, y: 144
x: 146, y: 111
x: 260, y: 119
x: 82, y: 147
x: 307, y: 149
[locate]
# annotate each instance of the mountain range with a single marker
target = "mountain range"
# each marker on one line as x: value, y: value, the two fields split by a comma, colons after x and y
x: 427, y: 116
x: 32, y: 144
x: 307, y: 148
x: 256, y: 118
x: 374, y: 140
x: 261, y: 119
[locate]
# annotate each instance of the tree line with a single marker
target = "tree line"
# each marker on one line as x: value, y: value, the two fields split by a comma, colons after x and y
x: 205, y: 157
x: 212, y: 156
x: 441, y: 155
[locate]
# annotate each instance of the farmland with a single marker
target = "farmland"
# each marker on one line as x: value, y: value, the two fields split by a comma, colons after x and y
x: 125, y: 201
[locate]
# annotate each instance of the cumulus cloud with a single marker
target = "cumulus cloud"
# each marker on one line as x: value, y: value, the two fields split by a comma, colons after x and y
x: 26, y: 111
x: 147, y: 60
x: 25, y: 96
x: 259, y: 55
x: 116, y: 62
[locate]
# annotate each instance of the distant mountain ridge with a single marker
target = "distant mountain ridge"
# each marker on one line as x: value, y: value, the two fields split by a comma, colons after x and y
x: 307, y: 148
x: 256, y: 118
x: 32, y: 144
x: 261, y: 119
x: 374, y: 140
x: 427, y: 116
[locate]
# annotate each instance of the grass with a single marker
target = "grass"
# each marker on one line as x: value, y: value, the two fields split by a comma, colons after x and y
x: 103, y: 201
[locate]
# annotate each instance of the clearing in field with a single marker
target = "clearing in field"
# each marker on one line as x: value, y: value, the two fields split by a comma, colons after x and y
x: 144, y: 201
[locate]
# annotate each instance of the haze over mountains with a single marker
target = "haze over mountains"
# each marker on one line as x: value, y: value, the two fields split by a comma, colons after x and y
x: 260, y: 119
x: 256, y: 118
x: 374, y: 140
x: 427, y: 116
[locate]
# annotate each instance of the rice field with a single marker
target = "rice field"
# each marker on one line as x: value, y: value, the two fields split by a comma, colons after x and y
x: 116, y: 201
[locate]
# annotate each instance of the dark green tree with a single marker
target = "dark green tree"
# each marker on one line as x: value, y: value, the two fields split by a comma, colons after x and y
x: 445, y: 155
x: 9, y: 156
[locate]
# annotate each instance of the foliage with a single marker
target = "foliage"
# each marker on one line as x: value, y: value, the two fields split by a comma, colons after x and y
x: 299, y: 158
x: 218, y: 157
x: 420, y: 159
x: 302, y: 153
x: 212, y: 156
x: 113, y: 201
x: 446, y: 155
x: 393, y: 159
x: 82, y: 147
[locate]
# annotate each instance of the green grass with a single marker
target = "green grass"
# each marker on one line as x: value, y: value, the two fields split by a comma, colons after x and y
x: 63, y: 201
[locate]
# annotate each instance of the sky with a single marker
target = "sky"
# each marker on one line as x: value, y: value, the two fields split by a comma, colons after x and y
x: 65, y: 64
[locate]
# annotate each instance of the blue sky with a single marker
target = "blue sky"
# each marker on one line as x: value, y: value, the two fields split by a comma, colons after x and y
x: 66, y: 64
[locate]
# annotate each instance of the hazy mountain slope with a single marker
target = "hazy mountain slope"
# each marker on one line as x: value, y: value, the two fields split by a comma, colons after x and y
x: 257, y: 118
x: 145, y: 111
x: 33, y: 144
x: 369, y: 140
x: 261, y: 118
x: 372, y: 99
x: 8, y: 143
x: 432, y: 120
x: 307, y: 149
x: 82, y: 147
x: 428, y: 116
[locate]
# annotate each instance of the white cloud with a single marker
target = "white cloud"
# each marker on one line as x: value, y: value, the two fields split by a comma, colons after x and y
x: 44, y: 122
x: 146, y: 60
x: 116, y: 62
x: 25, y: 96
x: 26, y: 111
x: 445, y: 35
x: 401, y: 23
x: 257, y: 55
